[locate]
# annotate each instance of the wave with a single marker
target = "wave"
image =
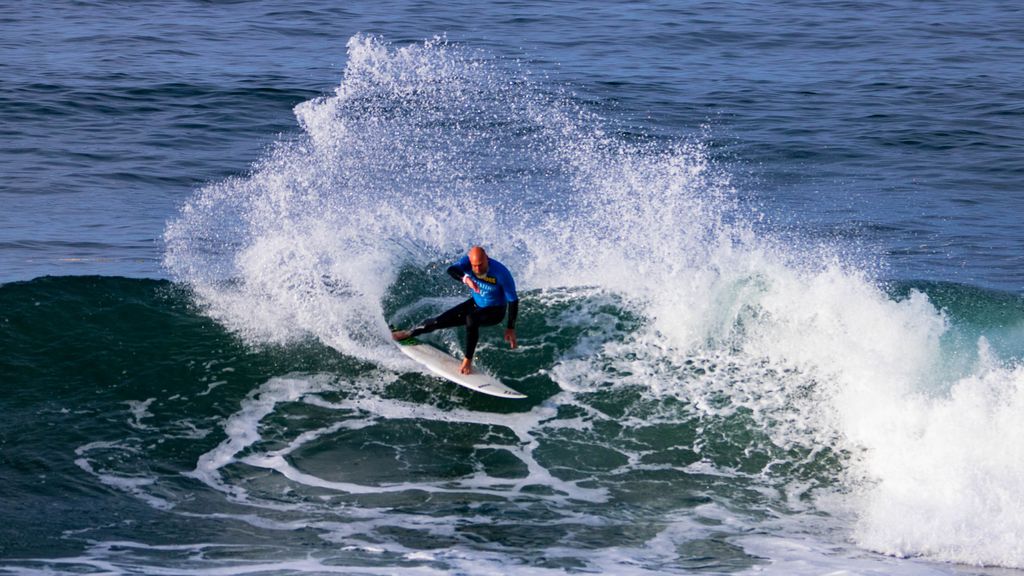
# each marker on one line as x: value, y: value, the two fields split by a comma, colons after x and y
x: 897, y: 404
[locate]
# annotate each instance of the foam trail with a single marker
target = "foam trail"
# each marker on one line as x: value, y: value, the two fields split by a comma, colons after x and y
x: 242, y: 430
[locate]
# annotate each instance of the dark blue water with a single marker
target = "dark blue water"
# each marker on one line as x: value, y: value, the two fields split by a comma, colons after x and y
x: 770, y: 255
x: 892, y: 125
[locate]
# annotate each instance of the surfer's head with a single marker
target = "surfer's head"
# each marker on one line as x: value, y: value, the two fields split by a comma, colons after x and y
x: 478, y: 261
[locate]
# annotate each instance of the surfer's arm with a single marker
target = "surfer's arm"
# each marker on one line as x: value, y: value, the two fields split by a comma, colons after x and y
x: 510, y: 331
x: 460, y: 275
x: 513, y: 313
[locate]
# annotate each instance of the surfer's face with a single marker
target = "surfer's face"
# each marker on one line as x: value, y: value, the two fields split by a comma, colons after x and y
x: 479, y: 264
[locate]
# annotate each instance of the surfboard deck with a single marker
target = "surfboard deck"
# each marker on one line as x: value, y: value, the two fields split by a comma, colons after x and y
x: 447, y: 366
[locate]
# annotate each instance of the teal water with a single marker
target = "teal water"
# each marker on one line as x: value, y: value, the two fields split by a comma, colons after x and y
x: 142, y: 436
x: 769, y: 257
x: 115, y: 414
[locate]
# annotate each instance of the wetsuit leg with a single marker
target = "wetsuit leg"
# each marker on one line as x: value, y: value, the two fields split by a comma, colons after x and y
x: 448, y: 319
x: 465, y: 314
x: 488, y: 316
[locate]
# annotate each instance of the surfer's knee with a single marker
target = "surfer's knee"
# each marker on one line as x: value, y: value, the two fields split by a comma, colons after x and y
x: 425, y: 327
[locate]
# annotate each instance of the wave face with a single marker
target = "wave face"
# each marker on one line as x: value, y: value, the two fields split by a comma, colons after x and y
x: 703, y: 394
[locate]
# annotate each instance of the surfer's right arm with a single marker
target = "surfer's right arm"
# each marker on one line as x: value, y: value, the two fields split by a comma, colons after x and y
x: 460, y: 275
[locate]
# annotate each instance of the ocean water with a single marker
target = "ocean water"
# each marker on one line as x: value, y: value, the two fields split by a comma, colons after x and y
x: 769, y: 255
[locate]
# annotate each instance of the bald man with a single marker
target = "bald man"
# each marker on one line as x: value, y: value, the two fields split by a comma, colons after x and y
x: 493, y: 291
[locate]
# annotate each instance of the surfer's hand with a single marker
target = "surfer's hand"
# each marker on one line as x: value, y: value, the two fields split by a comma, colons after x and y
x: 468, y: 281
x: 510, y: 337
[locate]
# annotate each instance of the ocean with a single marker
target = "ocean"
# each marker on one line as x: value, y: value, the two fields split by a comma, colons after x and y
x: 769, y: 255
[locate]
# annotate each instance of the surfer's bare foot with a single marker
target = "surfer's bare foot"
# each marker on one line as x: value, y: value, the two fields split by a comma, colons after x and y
x: 466, y: 367
x: 401, y: 334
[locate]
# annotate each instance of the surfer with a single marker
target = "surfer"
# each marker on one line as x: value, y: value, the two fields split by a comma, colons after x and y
x: 493, y: 290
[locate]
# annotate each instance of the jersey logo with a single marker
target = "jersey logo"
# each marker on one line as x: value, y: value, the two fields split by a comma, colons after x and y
x: 488, y: 279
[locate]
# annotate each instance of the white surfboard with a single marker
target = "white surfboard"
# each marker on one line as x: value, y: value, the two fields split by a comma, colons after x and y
x: 447, y: 366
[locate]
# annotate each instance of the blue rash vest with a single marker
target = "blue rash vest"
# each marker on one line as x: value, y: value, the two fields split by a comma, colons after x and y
x: 497, y: 287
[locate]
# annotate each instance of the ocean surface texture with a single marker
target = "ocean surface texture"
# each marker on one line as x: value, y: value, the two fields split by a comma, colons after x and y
x: 770, y: 257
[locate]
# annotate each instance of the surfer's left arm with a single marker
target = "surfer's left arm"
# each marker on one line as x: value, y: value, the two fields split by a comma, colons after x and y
x: 508, y: 285
x: 510, y: 331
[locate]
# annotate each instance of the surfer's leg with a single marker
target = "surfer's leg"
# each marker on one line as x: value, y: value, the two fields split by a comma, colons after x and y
x: 488, y: 316
x: 448, y: 319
